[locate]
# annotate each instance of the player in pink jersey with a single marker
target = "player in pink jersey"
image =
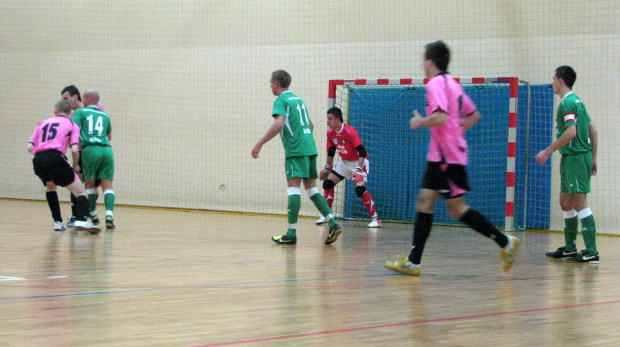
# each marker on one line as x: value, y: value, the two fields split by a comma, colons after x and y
x: 353, y: 164
x: 72, y: 94
x: 49, y: 143
x: 449, y: 113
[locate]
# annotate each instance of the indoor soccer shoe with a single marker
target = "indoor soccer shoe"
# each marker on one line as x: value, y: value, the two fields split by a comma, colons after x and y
x: 404, y: 265
x: 375, y: 223
x: 58, y: 226
x: 334, y: 232
x: 95, y: 219
x: 509, y: 253
x: 85, y: 226
x: 585, y: 257
x: 109, y: 223
x: 284, y: 240
x: 560, y: 253
x: 320, y: 221
x: 71, y: 222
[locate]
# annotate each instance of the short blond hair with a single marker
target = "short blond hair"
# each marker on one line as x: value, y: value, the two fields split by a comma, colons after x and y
x: 63, y: 106
x: 282, y: 77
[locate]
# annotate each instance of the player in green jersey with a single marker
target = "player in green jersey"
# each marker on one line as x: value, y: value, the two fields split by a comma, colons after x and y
x: 577, y: 143
x: 97, y: 155
x: 292, y: 122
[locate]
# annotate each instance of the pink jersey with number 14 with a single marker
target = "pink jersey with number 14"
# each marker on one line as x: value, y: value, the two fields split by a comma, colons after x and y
x: 55, y: 133
x: 447, y: 144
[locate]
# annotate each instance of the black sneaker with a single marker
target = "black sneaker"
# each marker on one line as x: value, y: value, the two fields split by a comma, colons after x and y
x: 283, y: 239
x: 561, y: 252
x: 94, y: 219
x: 584, y: 257
x: 334, y: 232
x: 109, y: 223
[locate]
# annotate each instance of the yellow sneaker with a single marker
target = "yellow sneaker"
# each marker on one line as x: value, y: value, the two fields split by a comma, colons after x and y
x: 509, y: 253
x: 284, y: 240
x: 334, y: 232
x: 402, y: 264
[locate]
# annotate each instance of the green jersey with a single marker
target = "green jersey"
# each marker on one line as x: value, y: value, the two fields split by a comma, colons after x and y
x: 94, y: 126
x: 296, y: 135
x: 572, y: 112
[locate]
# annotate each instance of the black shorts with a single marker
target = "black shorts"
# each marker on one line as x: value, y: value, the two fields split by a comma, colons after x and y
x: 52, y: 166
x: 448, y: 179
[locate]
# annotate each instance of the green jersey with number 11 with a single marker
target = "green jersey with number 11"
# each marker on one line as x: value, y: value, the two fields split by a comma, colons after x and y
x: 94, y: 126
x: 296, y: 135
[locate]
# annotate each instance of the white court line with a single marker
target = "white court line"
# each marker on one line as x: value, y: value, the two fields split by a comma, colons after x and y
x: 5, y: 278
x: 55, y: 277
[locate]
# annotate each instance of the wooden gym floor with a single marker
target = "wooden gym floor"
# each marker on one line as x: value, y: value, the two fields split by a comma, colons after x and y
x: 170, y: 278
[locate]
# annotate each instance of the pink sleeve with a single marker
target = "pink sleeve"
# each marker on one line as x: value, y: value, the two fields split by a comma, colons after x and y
x: 75, y: 135
x: 35, y: 135
x: 436, y: 98
x: 468, y: 107
x: 100, y: 106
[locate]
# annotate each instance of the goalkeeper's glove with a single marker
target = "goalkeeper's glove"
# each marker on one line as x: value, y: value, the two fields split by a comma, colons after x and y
x: 359, y: 176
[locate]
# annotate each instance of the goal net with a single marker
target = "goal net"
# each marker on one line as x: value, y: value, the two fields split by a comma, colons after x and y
x: 512, y: 193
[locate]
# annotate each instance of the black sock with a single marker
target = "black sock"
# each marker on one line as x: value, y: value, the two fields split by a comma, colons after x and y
x: 81, y: 208
x: 481, y: 224
x: 73, y: 202
x: 52, y: 202
x: 421, y: 231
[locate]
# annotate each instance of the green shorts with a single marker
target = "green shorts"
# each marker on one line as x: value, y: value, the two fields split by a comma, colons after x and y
x: 98, y: 162
x: 575, y: 173
x: 304, y: 167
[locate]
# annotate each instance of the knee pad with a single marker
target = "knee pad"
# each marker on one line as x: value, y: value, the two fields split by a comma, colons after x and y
x: 328, y: 184
x: 360, y: 190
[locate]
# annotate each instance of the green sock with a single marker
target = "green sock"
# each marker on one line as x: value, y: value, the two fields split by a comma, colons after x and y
x: 588, y: 230
x: 570, y: 233
x: 108, y: 199
x: 294, y: 204
x: 92, y: 202
x: 321, y: 204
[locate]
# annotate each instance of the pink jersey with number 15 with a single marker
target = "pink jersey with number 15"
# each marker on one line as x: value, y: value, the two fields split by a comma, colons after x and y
x: 55, y: 133
x: 447, y: 142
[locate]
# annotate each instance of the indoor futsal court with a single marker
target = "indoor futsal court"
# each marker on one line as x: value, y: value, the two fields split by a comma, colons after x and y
x: 173, y: 278
x: 186, y: 106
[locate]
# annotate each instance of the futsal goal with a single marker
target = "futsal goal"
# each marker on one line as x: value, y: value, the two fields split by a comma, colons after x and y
x: 506, y: 187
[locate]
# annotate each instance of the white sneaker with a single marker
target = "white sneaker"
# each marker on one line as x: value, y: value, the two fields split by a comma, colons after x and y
x: 58, y: 226
x: 320, y: 221
x: 86, y: 226
x: 375, y: 223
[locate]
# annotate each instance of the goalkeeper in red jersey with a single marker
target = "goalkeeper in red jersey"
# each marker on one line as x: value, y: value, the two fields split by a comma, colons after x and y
x: 353, y: 163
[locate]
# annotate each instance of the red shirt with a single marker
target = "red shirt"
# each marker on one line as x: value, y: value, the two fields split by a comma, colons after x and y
x: 345, y: 140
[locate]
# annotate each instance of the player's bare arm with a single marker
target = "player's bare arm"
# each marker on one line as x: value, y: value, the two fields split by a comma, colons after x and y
x: 361, y: 152
x: 470, y: 120
x: 567, y: 136
x: 594, y: 142
x: 274, y: 129
x: 438, y: 118
x: 75, y: 154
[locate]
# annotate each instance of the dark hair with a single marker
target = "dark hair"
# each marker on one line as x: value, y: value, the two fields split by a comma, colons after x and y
x: 337, y: 112
x: 72, y: 91
x: 282, y: 77
x: 567, y: 74
x: 439, y: 53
